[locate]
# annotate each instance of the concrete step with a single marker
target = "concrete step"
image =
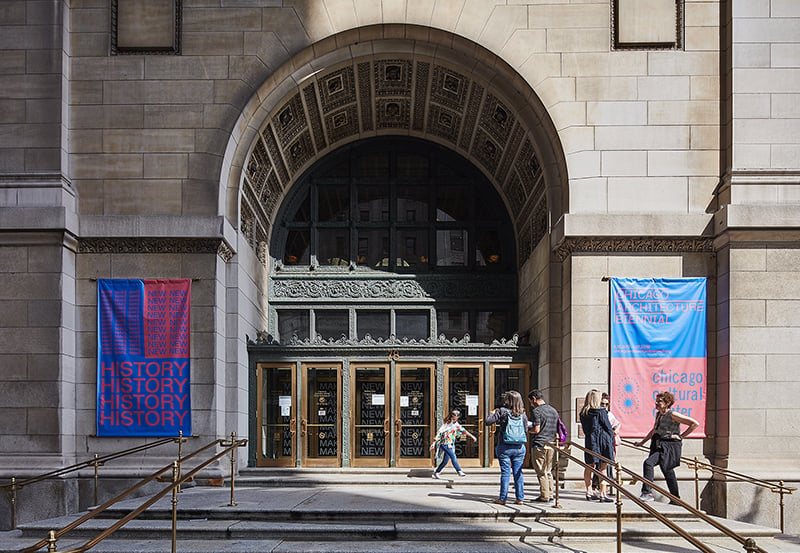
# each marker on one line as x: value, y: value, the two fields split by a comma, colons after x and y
x: 364, y: 517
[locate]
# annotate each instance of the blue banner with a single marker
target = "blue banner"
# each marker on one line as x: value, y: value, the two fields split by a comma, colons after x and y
x: 658, y: 344
x: 143, y: 357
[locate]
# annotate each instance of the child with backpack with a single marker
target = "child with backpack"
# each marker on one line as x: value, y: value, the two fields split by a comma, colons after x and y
x: 509, y: 444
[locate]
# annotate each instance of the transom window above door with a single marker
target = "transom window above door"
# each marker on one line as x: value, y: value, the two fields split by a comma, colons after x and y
x: 400, y: 205
x: 393, y: 237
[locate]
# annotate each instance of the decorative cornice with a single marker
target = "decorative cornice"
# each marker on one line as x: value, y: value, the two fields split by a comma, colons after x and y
x: 156, y: 245
x: 265, y: 339
x: 345, y: 286
x: 584, y: 244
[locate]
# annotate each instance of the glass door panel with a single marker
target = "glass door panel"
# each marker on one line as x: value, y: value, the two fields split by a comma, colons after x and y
x: 320, y: 427
x: 370, y: 420
x: 276, y: 413
x: 505, y: 377
x: 463, y: 385
x: 413, y: 423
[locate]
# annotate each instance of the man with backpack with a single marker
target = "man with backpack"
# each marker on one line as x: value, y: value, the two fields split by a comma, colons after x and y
x: 544, y: 419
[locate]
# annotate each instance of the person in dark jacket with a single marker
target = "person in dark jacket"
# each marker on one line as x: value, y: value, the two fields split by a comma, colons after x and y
x: 599, y: 436
x: 666, y: 444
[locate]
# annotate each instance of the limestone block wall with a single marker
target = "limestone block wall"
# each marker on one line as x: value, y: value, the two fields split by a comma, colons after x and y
x: 586, y: 331
x: 208, y: 382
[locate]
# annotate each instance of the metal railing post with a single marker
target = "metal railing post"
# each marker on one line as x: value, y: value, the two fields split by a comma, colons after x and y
x: 175, y: 478
x: 780, y: 504
x: 233, y: 468
x: 750, y: 545
x: 618, y: 479
x: 13, y: 502
x: 180, y: 455
x: 51, y: 541
x: 557, y: 464
x: 696, y: 484
x: 96, y: 475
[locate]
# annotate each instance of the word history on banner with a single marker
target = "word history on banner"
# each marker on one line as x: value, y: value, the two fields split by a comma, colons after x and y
x: 143, y: 360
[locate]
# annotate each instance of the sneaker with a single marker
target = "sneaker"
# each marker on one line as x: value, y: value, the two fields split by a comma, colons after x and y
x: 435, y: 476
x: 541, y: 499
x: 646, y: 497
x: 606, y: 499
x: 462, y: 473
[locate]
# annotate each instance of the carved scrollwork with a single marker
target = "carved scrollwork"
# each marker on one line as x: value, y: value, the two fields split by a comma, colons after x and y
x: 632, y: 245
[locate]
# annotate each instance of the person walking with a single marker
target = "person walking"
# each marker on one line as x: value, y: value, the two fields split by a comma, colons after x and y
x: 666, y: 443
x: 446, y: 438
x: 605, y: 403
x: 544, y: 420
x: 599, y: 442
x: 509, y: 444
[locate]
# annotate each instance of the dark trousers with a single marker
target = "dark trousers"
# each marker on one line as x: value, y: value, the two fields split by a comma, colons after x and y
x: 648, y: 471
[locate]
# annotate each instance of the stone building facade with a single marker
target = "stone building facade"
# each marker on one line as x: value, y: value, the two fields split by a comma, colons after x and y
x: 168, y: 138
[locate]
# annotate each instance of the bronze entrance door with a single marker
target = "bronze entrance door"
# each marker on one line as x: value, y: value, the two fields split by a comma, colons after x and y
x: 380, y: 404
x: 321, y: 422
x: 413, y: 424
x: 276, y: 413
x: 504, y: 377
x: 463, y: 385
x: 370, y: 415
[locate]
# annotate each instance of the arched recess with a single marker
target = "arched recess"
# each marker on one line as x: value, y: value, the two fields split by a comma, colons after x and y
x: 396, y: 80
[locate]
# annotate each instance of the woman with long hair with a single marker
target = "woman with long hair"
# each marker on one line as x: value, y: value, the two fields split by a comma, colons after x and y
x: 599, y: 442
x: 509, y: 446
x: 446, y: 438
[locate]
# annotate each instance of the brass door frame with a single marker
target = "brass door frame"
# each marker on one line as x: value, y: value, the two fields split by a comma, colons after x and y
x: 493, y: 392
x: 354, y: 434
x: 320, y: 461
x: 261, y: 461
x: 480, y: 426
x: 411, y: 462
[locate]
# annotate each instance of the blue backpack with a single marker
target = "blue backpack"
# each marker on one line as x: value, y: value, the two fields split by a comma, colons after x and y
x: 515, y: 431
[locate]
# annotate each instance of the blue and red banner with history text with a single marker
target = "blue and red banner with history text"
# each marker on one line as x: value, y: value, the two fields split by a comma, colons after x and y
x: 143, y: 361
x: 658, y: 344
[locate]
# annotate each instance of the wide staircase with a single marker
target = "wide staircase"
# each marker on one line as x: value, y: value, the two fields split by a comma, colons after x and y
x: 388, y: 510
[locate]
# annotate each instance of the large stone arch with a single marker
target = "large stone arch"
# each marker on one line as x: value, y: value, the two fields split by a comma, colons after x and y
x: 395, y: 80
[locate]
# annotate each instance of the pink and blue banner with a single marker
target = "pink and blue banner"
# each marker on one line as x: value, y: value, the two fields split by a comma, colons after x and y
x: 143, y: 361
x: 658, y: 344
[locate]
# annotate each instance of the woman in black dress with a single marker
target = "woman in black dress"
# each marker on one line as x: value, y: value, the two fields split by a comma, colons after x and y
x: 599, y: 437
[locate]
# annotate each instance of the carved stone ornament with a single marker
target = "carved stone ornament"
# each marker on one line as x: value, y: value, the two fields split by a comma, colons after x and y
x: 156, y: 245
x: 632, y: 245
x: 374, y: 288
x: 263, y: 338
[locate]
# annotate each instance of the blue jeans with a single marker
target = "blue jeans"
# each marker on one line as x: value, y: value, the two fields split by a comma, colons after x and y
x: 511, y: 457
x: 449, y: 455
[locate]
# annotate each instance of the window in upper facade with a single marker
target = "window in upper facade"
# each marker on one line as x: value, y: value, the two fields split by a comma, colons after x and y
x: 377, y: 324
x: 412, y: 325
x: 332, y: 324
x: 293, y: 322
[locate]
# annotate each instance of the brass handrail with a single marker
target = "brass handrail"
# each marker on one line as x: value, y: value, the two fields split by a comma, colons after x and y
x: 748, y: 543
x: 15, y: 485
x: 698, y: 465
x: 54, y: 535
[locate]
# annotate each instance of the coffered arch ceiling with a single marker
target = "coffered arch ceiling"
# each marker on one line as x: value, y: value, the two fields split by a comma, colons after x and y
x: 464, y: 98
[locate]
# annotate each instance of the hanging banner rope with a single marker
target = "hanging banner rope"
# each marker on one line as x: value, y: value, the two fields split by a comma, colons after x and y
x: 143, y: 357
x: 658, y: 344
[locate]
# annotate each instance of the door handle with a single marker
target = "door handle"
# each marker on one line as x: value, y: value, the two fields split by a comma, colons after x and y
x: 386, y: 426
x: 398, y: 426
x: 480, y: 427
x: 303, y: 424
x: 293, y: 427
